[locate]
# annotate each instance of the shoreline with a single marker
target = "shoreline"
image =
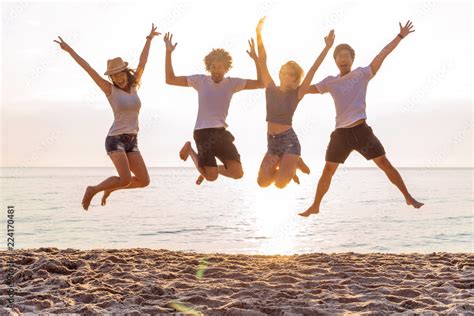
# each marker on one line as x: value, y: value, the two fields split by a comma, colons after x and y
x: 141, y: 281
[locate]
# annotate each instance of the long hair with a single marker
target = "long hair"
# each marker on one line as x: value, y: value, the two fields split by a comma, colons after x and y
x: 132, y: 79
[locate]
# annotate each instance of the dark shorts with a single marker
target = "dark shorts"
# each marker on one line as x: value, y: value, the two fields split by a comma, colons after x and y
x: 360, y: 138
x: 283, y: 143
x: 215, y: 143
x: 123, y: 142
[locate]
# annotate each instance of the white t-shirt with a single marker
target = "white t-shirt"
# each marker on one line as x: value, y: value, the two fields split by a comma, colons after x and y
x: 348, y: 93
x: 126, y: 107
x: 214, y: 99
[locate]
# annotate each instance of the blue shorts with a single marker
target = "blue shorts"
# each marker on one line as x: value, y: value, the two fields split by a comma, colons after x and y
x: 284, y: 143
x: 123, y: 142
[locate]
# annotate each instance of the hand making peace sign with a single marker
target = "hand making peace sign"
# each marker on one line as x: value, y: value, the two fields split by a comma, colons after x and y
x: 153, y: 32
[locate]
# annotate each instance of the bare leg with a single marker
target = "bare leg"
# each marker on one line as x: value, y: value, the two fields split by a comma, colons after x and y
x: 286, y: 170
x: 207, y: 173
x: 210, y: 174
x: 233, y: 169
x: 394, y: 176
x: 323, y: 186
x: 296, y: 179
x: 120, y: 161
x: 200, y: 179
x: 140, y: 179
x: 185, y: 151
x: 268, y: 168
x: 302, y: 166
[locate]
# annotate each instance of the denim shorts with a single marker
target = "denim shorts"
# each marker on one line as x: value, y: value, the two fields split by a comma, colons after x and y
x: 284, y: 143
x: 123, y: 142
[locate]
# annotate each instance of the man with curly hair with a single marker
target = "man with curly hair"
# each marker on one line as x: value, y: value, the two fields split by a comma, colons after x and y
x: 215, y: 93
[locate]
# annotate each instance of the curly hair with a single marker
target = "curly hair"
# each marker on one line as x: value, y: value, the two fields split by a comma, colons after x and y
x: 340, y: 47
x: 219, y: 55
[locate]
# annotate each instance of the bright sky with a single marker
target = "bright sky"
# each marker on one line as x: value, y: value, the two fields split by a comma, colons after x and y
x: 52, y: 114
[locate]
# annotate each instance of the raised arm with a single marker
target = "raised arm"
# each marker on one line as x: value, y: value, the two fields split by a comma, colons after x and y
x: 312, y: 89
x: 304, y: 88
x: 254, y: 84
x: 145, y: 51
x: 103, y: 84
x: 262, y: 55
x: 171, y: 79
x: 378, y: 60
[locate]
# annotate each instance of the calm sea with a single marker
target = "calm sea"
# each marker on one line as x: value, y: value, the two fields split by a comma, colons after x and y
x: 362, y: 212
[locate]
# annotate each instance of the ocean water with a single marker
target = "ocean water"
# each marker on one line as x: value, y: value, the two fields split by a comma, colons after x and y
x: 362, y: 212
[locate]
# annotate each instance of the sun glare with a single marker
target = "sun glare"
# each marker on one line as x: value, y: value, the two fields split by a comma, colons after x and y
x: 275, y: 212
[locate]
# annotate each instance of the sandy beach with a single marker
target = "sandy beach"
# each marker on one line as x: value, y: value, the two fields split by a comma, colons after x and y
x: 143, y: 281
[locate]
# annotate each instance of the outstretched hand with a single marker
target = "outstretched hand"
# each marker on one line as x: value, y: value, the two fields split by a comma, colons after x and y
x: 252, y: 53
x: 153, y: 31
x: 64, y: 46
x: 260, y: 24
x: 168, y: 41
x: 407, y: 29
x: 329, y: 39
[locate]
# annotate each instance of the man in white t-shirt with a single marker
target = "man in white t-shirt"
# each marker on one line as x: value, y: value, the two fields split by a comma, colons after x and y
x: 348, y: 89
x: 214, y: 93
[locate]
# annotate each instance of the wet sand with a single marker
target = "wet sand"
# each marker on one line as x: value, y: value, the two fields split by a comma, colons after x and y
x: 145, y: 281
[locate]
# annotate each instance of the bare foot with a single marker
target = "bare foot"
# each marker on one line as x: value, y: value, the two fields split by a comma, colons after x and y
x: 296, y: 179
x: 88, y: 195
x: 200, y: 179
x: 414, y: 203
x: 309, y: 211
x: 105, y: 196
x: 303, y: 167
x: 184, y: 152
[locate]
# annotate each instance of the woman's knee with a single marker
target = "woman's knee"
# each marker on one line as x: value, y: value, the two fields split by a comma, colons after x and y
x: 145, y: 182
x: 263, y: 182
x: 282, y: 182
x: 125, y: 180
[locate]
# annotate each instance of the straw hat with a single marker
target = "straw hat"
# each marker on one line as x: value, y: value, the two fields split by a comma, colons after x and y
x: 115, y: 65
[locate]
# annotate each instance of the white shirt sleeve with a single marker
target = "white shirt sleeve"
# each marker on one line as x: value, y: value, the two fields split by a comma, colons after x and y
x: 367, y: 72
x: 237, y: 84
x: 194, y: 81
x: 322, y: 86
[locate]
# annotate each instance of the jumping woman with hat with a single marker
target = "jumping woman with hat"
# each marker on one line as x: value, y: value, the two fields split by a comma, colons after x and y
x: 121, y: 141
